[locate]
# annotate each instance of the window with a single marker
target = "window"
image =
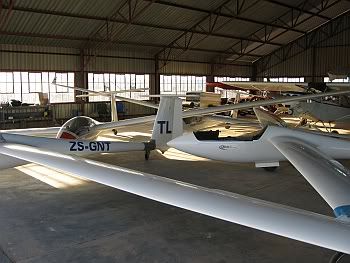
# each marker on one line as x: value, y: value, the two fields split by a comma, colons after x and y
x: 285, y: 79
x: 228, y: 93
x: 180, y: 84
x: 326, y: 79
x: 220, y: 79
x: 119, y: 82
x: 61, y: 94
x: 25, y: 86
x: 7, y: 87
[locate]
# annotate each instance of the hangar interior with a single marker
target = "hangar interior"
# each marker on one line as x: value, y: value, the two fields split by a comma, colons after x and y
x: 164, y: 47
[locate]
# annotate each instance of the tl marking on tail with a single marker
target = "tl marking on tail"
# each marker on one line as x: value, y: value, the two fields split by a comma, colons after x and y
x: 161, y: 124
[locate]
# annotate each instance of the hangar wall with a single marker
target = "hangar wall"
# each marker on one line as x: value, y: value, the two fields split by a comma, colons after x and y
x: 38, y: 58
x: 41, y: 58
x: 313, y: 55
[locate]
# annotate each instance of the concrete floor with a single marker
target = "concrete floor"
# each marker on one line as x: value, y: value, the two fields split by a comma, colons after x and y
x: 81, y: 221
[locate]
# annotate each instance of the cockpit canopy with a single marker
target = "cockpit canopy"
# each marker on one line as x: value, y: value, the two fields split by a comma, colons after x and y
x: 215, y: 136
x: 76, y: 127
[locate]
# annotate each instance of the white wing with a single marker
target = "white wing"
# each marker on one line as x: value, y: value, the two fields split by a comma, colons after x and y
x: 266, y: 118
x: 123, y: 123
x: 329, y: 178
x: 247, y: 105
x: 51, y: 131
x: 211, y: 110
x: 281, y: 220
x: 108, y: 94
x: 283, y: 86
x: 268, y: 86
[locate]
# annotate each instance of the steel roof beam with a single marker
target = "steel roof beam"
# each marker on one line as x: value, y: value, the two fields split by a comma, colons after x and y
x: 4, y: 20
x: 99, y: 40
x: 311, y: 40
x: 298, y: 9
x: 143, y: 24
x: 231, y: 16
x: 324, y: 7
x: 208, y: 21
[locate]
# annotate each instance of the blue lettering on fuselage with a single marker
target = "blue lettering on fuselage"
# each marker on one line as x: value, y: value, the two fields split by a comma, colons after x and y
x: 91, y: 146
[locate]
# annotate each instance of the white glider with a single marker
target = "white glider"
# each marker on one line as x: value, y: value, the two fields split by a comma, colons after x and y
x: 285, y: 221
x: 324, y: 231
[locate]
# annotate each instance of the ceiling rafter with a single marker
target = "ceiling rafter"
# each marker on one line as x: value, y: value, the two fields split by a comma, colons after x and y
x: 126, y: 21
x: 290, y: 12
x: 232, y: 15
x: 108, y: 32
x: 300, y: 9
x: 211, y: 19
x: 5, y: 19
x: 99, y: 40
x: 312, y: 39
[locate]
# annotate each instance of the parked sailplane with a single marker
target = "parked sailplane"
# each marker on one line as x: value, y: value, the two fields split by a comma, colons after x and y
x: 328, y: 177
x: 87, y: 128
x: 330, y: 110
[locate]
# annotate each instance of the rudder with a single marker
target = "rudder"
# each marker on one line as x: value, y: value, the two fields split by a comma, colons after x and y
x: 168, y: 123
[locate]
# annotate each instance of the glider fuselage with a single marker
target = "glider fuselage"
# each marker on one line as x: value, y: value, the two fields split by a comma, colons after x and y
x: 257, y: 149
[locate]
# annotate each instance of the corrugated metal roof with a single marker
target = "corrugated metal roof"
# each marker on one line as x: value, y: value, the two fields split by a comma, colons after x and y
x: 163, y: 16
x: 264, y: 11
x: 148, y: 35
x: 82, y: 7
x: 71, y: 26
x: 48, y: 24
x: 207, y: 5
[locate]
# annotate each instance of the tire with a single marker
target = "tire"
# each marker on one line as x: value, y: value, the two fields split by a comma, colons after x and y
x: 270, y: 169
x: 147, y: 156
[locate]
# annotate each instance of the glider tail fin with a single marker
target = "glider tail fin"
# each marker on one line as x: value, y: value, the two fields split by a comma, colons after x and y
x: 168, y: 124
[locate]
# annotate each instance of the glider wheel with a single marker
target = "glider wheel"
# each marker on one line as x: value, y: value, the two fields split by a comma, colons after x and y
x: 115, y: 131
x: 147, y: 153
x: 270, y: 169
x: 336, y: 257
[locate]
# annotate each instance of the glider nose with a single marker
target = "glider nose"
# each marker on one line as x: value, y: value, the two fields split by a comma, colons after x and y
x: 174, y: 142
x: 182, y: 143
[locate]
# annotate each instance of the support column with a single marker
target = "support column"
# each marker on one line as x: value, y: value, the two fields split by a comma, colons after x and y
x: 80, y: 80
x: 254, y: 72
x: 155, y: 87
x: 210, y: 78
x: 313, y: 64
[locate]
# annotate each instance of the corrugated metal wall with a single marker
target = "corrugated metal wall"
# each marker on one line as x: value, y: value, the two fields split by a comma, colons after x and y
x: 329, y: 58
x: 186, y: 68
x: 31, y: 58
x: 37, y: 58
x: 325, y: 49
x: 232, y: 70
x: 120, y: 65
